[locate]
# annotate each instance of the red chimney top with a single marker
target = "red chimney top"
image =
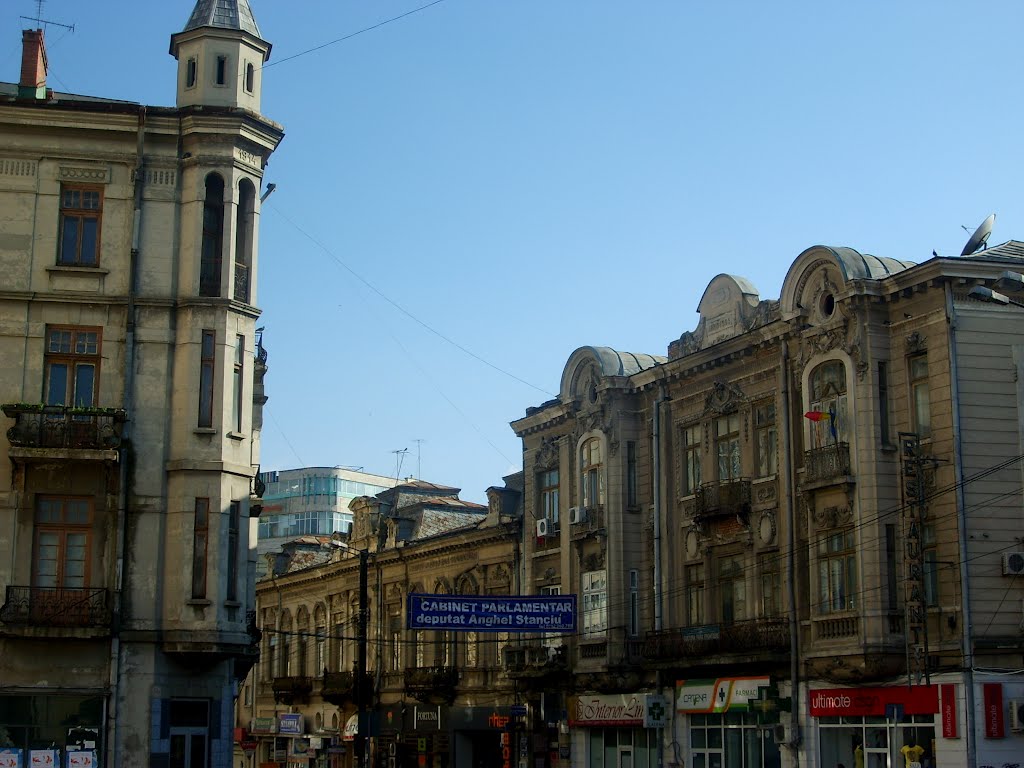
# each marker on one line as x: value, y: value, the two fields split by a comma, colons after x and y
x: 33, y: 65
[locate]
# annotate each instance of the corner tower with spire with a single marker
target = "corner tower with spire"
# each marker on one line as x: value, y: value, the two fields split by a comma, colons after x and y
x: 220, y: 55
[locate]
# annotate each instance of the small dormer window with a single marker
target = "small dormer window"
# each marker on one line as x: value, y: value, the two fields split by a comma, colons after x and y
x: 222, y: 70
x: 190, y: 73
x: 250, y: 77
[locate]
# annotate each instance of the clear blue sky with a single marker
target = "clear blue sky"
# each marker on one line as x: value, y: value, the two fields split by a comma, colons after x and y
x: 531, y: 176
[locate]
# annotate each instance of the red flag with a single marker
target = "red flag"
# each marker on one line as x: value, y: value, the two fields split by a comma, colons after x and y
x: 817, y: 415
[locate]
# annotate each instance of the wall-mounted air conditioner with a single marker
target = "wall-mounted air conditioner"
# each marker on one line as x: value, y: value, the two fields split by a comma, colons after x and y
x: 577, y: 515
x: 1013, y: 563
x: 1017, y: 715
x: 542, y: 528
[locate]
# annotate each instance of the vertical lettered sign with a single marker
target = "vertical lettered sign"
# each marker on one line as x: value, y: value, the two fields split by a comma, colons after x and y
x: 949, y: 722
x: 994, y: 723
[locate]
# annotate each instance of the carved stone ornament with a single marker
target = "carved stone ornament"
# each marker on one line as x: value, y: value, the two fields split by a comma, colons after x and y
x: 765, y: 312
x: 593, y: 561
x: 766, y: 492
x: 547, y: 454
x: 832, y: 517
x: 916, y: 343
x: 724, y: 398
x: 692, y: 543
x: 767, y: 529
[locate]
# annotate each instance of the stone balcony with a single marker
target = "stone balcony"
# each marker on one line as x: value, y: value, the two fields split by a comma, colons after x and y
x: 725, y: 498
x: 828, y: 464
x: 53, y: 428
x: 56, y: 607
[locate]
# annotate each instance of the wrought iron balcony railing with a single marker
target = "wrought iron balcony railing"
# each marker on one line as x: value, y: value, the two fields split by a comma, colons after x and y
x: 535, y: 660
x: 56, y: 607
x: 827, y: 463
x: 729, y: 497
x: 241, y: 282
x: 769, y: 634
x: 288, y: 690
x: 62, y: 426
x: 432, y: 684
x: 339, y: 687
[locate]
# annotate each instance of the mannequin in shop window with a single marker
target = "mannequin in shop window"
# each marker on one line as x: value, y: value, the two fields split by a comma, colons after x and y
x: 858, y: 754
x: 912, y: 751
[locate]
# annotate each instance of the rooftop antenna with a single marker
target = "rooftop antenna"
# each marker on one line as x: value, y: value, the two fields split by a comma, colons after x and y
x: 979, y: 240
x: 419, y: 446
x: 40, y: 21
x: 399, y: 458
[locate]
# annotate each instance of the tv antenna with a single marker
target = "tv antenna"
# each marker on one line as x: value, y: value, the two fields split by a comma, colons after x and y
x: 419, y: 448
x: 399, y: 458
x: 40, y: 21
x: 979, y: 240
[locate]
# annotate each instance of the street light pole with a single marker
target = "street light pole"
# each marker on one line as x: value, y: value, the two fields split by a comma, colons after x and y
x: 361, y: 683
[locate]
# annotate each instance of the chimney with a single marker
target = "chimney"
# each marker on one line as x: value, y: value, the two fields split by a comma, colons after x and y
x: 33, y: 65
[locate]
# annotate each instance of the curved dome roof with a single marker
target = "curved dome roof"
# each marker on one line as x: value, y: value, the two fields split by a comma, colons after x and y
x: 610, y: 362
x: 223, y: 14
x: 861, y: 266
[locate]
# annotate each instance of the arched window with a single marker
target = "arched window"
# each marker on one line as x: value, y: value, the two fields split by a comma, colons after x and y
x: 244, y: 220
x: 828, y: 404
x: 213, y: 237
x: 591, y: 477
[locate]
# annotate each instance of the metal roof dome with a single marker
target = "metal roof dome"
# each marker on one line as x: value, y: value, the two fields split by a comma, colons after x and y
x: 223, y: 14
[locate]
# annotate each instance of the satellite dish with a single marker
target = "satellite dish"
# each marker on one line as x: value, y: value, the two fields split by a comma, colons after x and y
x: 980, y: 237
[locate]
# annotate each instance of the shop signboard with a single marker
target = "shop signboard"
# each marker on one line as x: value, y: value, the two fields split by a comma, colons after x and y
x: 289, y: 725
x: 612, y: 710
x: 11, y: 758
x: 874, y: 702
x: 995, y: 726
x: 492, y: 613
x: 724, y: 694
x: 263, y: 725
x: 949, y: 717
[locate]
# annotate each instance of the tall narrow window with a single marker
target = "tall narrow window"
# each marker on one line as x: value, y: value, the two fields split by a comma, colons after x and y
x: 271, y: 667
x: 892, y: 578
x: 883, y: 404
x: 213, y: 237
x: 695, y: 595
x: 234, y: 516
x: 395, y: 638
x: 631, y: 497
x: 80, y: 214
x: 837, y: 572
x: 421, y: 648
x: 767, y: 442
x: 595, y: 603
x: 244, y: 224
x: 207, y: 354
x: 634, y: 602
x: 63, y: 541
x: 250, y: 77
x: 222, y: 70
x: 471, y: 639
x: 771, y: 585
x: 828, y: 397
x: 190, y: 72
x: 548, y: 482
x: 930, y: 565
x: 591, y: 480
x: 691, y: 459
x: 72, y: 365
x: 732, y: 589
x: 727, y: 441
x: 238, y: 384
x: 200, y: 540
x: 919, y: 395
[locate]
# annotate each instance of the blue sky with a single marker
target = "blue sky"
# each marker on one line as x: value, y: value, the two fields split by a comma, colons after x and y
x: 526, y: 177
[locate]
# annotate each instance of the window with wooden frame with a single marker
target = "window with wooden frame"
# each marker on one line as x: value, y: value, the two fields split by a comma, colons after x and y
x: 63, y: 542
x: 837, y: 572
x: 72, y: 364
x: 691, y: 458
x: 920, y: 396
x: 767, y: 440
x: 207, y: 363
x: 200, y: 542
x: 238, y: 384
x: 727, y: 441
x: 828, y: 398
x: 591, y: 476
x: 81, y: 211
x: 695, y: 595
x: 213, y: 237
x: 234, y: 518
x: 732, y: 588
x: 548, y: 482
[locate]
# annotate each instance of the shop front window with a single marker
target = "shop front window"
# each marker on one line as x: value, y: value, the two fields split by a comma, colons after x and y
x: 732, y: 740
x: 874, y: 742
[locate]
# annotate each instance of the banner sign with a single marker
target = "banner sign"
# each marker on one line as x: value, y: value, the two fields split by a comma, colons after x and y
x: 722, y: 695
x: 949, y: 718
x: 867, y: 702
x: 617, y: 709
x: 493, y: 613
x: 11, y: 758
x: 290, y: 724
x: 995, y: 726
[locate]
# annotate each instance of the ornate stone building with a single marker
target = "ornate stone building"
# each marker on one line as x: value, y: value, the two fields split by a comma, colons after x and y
x: 801, y: 525
x: 441, y: 696
x: 131, y: 387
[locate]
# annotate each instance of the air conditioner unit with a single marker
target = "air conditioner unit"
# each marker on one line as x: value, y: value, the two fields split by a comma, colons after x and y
x: 577, y: 515
x: 1013, y: 563
x: 542, y: 528
x: 1017, y: 715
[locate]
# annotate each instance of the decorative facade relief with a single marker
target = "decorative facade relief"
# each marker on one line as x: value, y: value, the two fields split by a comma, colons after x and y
x: 547, y: 454
x: 724, y: 398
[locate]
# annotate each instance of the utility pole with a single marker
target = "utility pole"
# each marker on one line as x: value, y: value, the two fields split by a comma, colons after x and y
x: 362, y: 687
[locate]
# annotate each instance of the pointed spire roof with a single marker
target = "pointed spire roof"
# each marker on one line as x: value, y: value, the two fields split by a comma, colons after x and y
x: 223, y: 14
